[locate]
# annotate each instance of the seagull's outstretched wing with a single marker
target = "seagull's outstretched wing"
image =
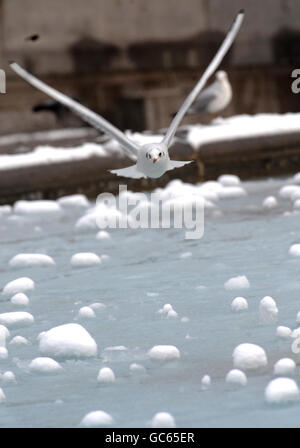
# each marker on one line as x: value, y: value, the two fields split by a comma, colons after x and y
x: 208, y: 72
x: 86, y: 114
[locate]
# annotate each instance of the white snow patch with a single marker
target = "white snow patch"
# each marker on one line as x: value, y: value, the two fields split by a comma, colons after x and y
x: 285, y: 366
x: 186, y: 255
x: 20, y: 299
x: 136, y: 368
x: 97, y: 306
x: 103, y: 235
x: 44, y: 365
x: 5, y: 210
x: 249, y: 356
x: 86, y: 312
x: 164, y: 353
x: 19, y: 285
x: 232, y: 192
x: 2, y: 396
x: 296, y: 204
x: 239, y: 304
x: 282, y: 390
x: 106, y: 375
x: 97, y: 419
x: 74, y: 201
x: 31, y: 260
x: 45, y: 155
x: 287, y: 191
x: 19, y: 340
x: 229, y: 180
x: 33, y: 208
x: 8, y: 377
x: 3, y: 353
x: 295, y: 250
x: 67, y: 341
x: 15, y: 319
x: 270, y: 202
x: 85, y: 259
x: 172, y: 314
x: 236, y: 376
x: 239, y: 282
x: 283, y: 332
x: 163, y: 420
x: 205, y: 382
x: 4, y: 335
x: 268, y: 311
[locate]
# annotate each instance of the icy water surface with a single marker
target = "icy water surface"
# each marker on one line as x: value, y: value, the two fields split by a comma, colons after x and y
x: 145, y: 271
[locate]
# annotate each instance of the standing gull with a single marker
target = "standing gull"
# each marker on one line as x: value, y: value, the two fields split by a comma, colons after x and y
x: 152, y: 160
x: 214, y: 98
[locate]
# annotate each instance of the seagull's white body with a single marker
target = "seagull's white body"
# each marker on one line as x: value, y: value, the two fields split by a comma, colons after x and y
x: 214, y: 98
x: 152, y: 160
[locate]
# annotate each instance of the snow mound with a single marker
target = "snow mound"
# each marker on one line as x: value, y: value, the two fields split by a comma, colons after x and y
x: 239, y: 282
x: 289, y: 191
x: 106, y: 375
x: 20, y: 299
x: 283, y: 332
x: 239, y: 304
x: 37, y: 208
x: 232, y: 192
x: 74, y: 201
x: 205, y: 382
x: 96, y: 419
x: 8, y: 377
x: 163, y: 420
x: 86, y: 312
x: 103, y: 235
x: 164, y: 353
x: 44, y: 365
x: 85, y: 259
x: 268, y: 311
x: 136, y: 368
x: 19, y: 285
x: 270, y: 202
x: 31, y: 260
x: 249, y: 356
x: 2, y: 396
x: 19, y: 340
x: 295, y: 250
x: 3, y: 353
x: 237, y: 377
x: 285, y: 366
x: 4, y: 334
x: 16, y: 319
x: 229, y: 180
x: 67, y: 341
x: 282, y: 390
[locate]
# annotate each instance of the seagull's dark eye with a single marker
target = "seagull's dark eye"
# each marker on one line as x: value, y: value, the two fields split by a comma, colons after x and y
x: 159, y: 154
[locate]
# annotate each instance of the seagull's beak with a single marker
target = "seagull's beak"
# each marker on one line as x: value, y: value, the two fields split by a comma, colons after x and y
x: 154, y: 159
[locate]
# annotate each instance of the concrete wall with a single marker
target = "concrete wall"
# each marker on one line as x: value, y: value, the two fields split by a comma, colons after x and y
x: 133, y: 60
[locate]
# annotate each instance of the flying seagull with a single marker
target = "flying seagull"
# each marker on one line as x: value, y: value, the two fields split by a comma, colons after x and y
x: 214, y: 98
x: 152, y: 159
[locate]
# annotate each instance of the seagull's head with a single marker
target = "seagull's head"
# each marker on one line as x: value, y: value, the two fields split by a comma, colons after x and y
x: 155, y: 155
x: 153, y: 159
x: 221, y: 75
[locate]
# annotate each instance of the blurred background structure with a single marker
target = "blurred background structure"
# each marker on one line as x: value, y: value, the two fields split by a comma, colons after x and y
x: 134, y: 61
